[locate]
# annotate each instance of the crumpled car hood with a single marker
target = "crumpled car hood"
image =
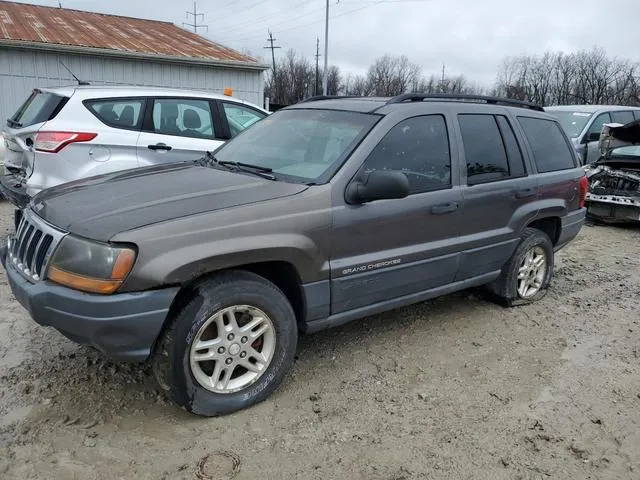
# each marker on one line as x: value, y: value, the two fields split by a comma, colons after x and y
x: 615, y: 135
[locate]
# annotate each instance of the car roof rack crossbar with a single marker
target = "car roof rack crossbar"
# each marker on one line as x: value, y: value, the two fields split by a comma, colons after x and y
x: 419, y: 97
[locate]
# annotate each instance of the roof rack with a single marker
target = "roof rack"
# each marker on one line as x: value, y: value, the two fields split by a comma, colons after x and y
x: 419, y: 97
x: 327, y: 97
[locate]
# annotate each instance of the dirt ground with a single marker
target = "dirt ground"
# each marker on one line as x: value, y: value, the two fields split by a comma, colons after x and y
x: 457, y: 388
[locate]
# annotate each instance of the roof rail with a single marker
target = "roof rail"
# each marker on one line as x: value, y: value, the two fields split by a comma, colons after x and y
x: 419, y: 97
x: 328, y: 97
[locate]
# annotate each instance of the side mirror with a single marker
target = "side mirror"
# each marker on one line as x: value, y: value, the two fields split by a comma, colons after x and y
x: 378, y: 185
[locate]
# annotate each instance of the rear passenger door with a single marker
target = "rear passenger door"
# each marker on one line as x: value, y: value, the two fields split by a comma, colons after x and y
x: 179, y: 129
x: 496, y: 192
x: 555, y: 163
x: 387, y: 249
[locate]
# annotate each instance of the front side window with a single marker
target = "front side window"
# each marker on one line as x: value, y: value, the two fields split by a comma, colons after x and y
x: 240, y: 117
x: 551, y: 152
x: 118, y: 113
x: 183, y: 117
x: 600, y: 120
x: 419, y: 148
x: 300, y: 144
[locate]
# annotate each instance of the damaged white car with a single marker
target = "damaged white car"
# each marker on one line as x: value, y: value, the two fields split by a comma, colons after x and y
x: 614, y: 179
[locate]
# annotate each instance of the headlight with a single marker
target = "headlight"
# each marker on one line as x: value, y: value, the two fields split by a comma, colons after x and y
x: 90, y: 267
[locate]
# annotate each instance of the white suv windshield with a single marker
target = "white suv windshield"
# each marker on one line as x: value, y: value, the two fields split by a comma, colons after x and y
x: 571, y: 122
x: 302, y: 144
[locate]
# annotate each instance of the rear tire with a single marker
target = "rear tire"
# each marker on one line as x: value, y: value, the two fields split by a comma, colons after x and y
x: 210, y: 359
x: 526, y: 276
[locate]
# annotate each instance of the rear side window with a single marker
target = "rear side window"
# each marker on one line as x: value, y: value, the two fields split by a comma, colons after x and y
x: 39, y: 107
x: 514, y: 154
x: 124, y: 113
x: 551, y: 152
x: 622, y: 117
x: 485, y: 153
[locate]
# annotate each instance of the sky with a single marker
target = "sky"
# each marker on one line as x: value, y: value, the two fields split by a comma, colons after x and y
x: 469, y: 37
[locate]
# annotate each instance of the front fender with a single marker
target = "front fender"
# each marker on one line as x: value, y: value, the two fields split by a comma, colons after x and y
x: 184, y: 264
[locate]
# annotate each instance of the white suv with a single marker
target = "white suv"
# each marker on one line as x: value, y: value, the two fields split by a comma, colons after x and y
x: 64, y: 134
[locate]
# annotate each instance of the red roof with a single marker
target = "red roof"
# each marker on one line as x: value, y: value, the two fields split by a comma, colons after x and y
x: 59, y: 26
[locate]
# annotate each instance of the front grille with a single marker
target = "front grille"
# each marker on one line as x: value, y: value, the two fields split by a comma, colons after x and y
x: 32, y: 244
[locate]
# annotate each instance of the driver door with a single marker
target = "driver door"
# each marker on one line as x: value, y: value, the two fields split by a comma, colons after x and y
x: 178, y: 129
x: 387, y: 249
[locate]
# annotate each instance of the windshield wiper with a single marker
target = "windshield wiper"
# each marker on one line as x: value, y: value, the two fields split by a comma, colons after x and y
x: 209, y: 159
x: 264, y: 172
x: 247, y: 165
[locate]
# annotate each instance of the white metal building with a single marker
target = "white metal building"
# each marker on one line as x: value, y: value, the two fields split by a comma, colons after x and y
x: 36, y: 41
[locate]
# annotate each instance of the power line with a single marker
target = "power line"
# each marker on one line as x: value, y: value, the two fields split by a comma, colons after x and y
x: 195, y: 15
x: 338, y: 15
x: 235, y: 27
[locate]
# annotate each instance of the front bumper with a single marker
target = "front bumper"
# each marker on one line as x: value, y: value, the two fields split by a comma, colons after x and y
x: 124, y: 326
x: 14, y: 189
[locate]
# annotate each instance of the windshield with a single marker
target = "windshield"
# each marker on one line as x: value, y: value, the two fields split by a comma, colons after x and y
x: 572, y: 122
x: 308, y: 145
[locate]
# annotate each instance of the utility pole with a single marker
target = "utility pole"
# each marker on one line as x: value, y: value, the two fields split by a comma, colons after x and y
x: 195, y: 16
x: 272, y: 47
x: 326, y: 52
x: 442, y: 80
x: 315, y: 89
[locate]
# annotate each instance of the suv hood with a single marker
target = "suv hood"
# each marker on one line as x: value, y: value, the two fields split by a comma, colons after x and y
x: 103, y: 206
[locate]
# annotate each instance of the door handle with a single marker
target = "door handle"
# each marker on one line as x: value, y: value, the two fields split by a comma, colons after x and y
x: 526, y: 192
x: 444, y: 208
x: 159, y: 146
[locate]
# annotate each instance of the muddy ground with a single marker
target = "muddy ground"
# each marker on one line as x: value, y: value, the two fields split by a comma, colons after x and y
x: 457, y: 388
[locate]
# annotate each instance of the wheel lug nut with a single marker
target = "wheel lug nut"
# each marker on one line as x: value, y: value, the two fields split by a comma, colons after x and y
x: 228, y: 361
x: 221, y: 350
x: 243, y: 354
x: 230, y: 337
x: 244, y: 339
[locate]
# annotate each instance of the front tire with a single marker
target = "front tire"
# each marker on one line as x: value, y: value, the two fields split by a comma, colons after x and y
x: 229, y: 347
x: 526, y: 276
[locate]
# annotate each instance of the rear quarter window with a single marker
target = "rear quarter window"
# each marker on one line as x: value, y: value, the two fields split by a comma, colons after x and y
x: 38, y: 108
x: 551, y: 150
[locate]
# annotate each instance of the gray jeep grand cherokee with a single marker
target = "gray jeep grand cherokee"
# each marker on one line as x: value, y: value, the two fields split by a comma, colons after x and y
x: 327, y: 211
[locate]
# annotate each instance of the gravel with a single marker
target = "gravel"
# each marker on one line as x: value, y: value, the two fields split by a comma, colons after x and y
x: 455, y: 388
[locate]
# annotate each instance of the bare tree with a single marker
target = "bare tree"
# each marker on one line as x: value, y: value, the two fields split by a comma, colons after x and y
x: 587, y: 76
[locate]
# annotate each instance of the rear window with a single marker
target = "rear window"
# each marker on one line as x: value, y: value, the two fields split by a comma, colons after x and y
x: 551, y: 151
x: 125, y: 113
x: 38, y: 108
